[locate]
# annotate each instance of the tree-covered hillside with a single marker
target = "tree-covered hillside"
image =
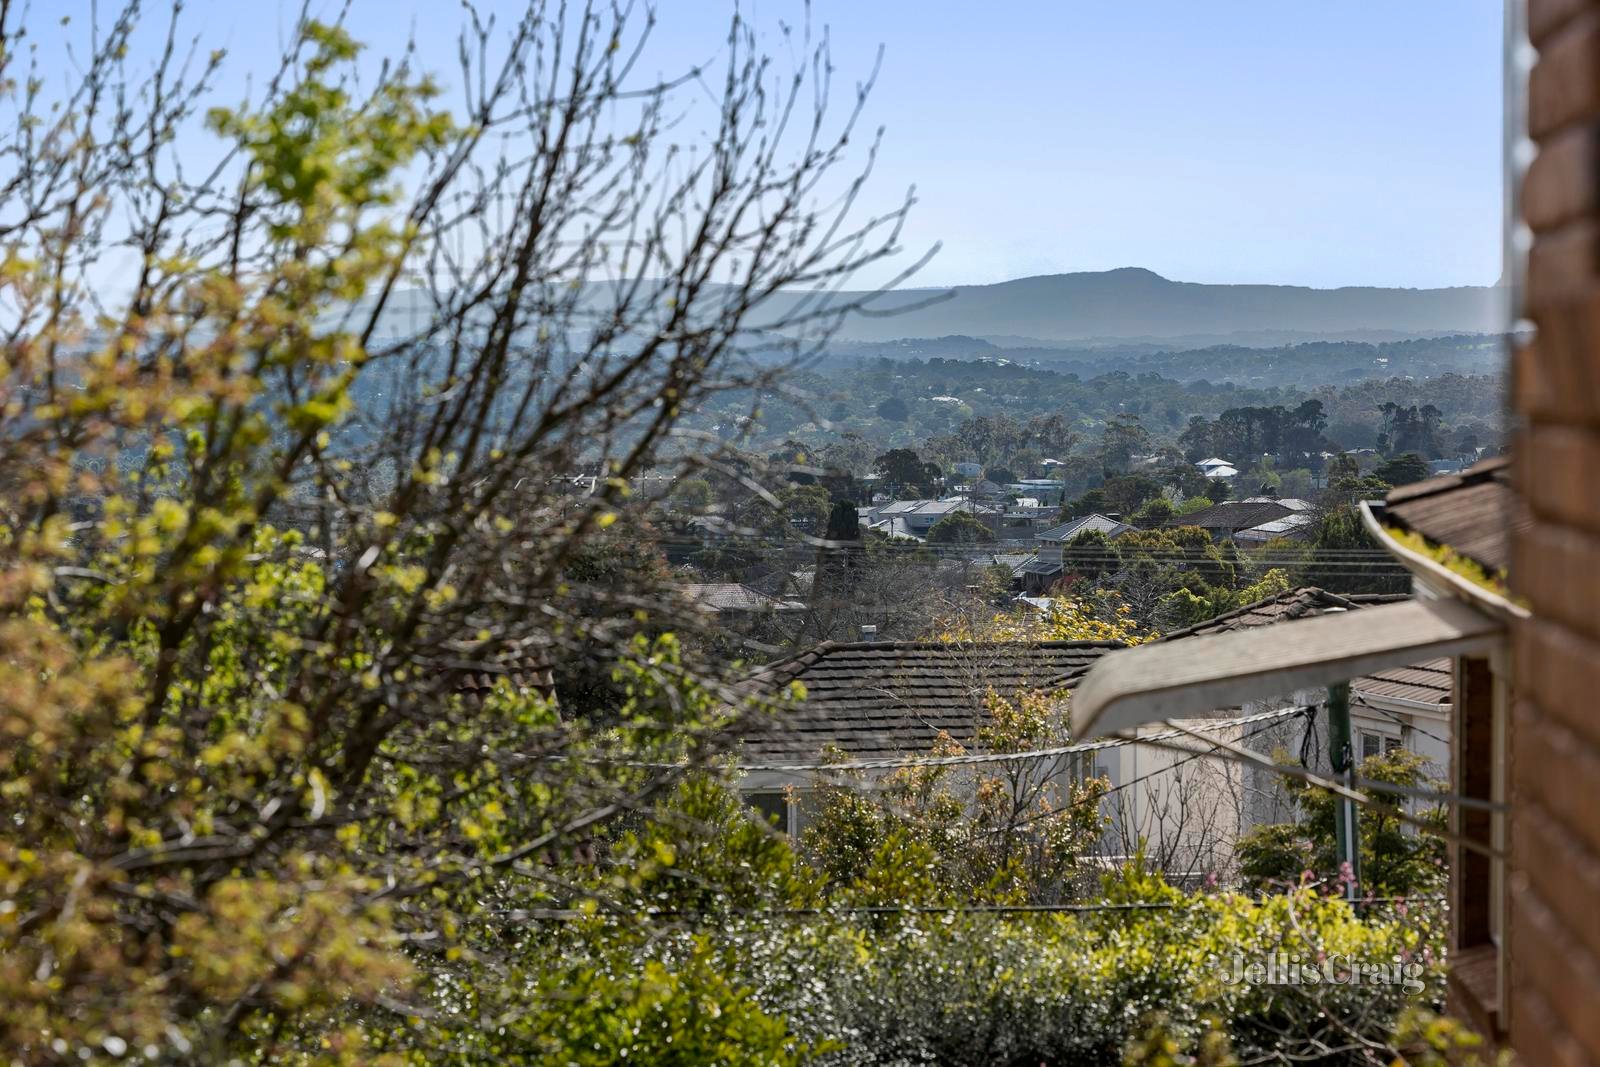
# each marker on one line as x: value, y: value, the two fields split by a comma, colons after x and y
x: 909, y: 402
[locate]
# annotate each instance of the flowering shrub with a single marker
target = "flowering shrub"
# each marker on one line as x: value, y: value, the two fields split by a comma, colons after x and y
x: 1062, y: 989
x: 793, y: 966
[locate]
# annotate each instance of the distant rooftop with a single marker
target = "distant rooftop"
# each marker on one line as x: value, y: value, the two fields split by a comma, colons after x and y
x: 732, y: 596
x: 1073, y: 527
x: 1234, y: 515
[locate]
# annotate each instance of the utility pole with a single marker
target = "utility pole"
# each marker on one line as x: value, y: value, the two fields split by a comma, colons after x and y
x: 1341, y: 753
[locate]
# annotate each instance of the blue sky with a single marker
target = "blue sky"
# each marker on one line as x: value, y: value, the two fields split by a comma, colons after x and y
x: 1348, y: 142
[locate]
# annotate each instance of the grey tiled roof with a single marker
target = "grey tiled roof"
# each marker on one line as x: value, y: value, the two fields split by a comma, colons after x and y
x: 1233, y: 515
x: 1305, y: 602
x: 1472, y: 512
x: 1017, y: 561
x: 731, y: 596
x: 1083, y: 523
x: 876, y: 699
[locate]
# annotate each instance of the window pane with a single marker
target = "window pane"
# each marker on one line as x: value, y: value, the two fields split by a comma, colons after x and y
x: 773, y: 806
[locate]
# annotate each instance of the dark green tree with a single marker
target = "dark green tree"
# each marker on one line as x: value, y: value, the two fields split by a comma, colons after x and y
x: 1091, y: 502
x: 1404, y: 469
x: 894, y: 409
x: 959, y: 528
x: 1122, y: 439
x: 904, y: 470
x: 1343, y: 557
x: 1126, y: 493
x: 1395, y: 861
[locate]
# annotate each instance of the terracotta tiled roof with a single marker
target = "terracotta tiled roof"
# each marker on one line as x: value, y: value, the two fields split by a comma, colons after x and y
x: 524, y: 670
x: 1472, y: 512
x: 875, y: 699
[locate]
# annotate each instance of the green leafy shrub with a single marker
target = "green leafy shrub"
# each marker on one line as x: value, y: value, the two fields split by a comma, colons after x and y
x: 1395, y: 860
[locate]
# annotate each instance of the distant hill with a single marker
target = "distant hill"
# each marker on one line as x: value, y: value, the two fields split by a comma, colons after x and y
x: 1117, y: 308
x: 1133, y: 303
x: 1306, y: 364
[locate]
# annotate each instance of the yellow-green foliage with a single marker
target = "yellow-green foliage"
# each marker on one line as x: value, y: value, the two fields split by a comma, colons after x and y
x: 1068, y: 618
x: 941, y: 834
x: 230, y: 809
x: 1451, y: 560
x: 805, y: 962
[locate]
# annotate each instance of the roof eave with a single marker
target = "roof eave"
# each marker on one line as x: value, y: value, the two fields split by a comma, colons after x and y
x: 1154, y: 682
x: 1436, y: 578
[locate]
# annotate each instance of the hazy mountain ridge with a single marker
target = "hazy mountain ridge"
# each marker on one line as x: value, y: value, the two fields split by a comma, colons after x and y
x: 1134, y: 303
x: 1113, y: 308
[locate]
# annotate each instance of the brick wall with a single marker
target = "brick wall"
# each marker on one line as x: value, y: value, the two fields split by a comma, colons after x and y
x: 1554, y: 884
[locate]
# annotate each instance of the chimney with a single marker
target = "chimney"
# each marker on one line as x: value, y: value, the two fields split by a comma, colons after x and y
x: 869, y: 632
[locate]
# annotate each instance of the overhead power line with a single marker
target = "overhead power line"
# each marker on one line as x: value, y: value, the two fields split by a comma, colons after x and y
x: 576, y: 914
x: 966, y: 759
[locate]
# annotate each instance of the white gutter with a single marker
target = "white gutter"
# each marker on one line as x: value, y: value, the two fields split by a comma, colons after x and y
x: 1388, y: 703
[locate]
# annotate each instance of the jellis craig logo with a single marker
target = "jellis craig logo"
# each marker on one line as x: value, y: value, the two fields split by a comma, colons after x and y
x: 1336, y: 970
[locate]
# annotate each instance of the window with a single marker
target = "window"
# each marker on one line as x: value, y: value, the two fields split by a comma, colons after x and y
x: 1373, y: 744
x: 774, y: 807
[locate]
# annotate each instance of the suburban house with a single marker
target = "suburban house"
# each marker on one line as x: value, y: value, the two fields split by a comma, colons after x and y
x: 1504, y: 557
x: 1023, y: 520
x: 1255, y: 519
x: 1217, y: 469
x: 1048, y: 567
x: 888, y: 700
x: 1016, y: 562
x: 894, y: 699
x: 1455, y: 534
x: 1189, y: 808
x: 1398, y: 707
x: 914, y: 518
x: 1047, y: 491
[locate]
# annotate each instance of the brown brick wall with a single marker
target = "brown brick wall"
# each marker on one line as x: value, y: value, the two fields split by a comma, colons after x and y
x: 1554, y: 886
